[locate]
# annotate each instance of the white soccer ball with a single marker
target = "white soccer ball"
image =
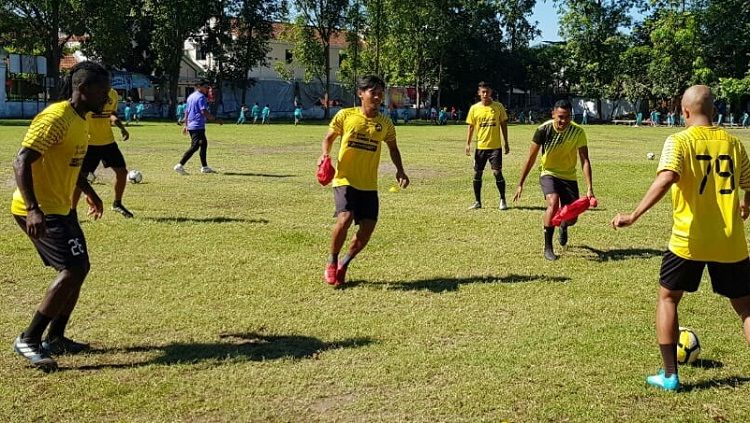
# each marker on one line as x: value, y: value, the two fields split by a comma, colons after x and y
x: 688, y: 346
x: 135, y: 177
x: 650, y: 155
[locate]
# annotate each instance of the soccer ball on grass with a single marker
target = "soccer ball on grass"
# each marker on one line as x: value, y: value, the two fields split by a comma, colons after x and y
x: 688, y: 346
x: 650, y: 156
x: 135, y: 177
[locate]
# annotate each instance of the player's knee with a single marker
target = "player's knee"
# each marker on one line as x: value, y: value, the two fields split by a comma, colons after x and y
x: 75, y: 275
x: 498, y: 175
x: 478, y: 176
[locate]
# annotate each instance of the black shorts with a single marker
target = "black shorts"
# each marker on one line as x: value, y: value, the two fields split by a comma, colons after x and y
x: 362, y: 204
x: 197, y: 138
x: 109, y: 154
x: 494, y: 156
x: 567, y: 190
x: 63, y: 246
x: 731, y: 280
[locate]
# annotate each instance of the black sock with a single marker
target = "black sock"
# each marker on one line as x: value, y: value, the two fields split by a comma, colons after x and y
x: 500, y: 182
x: 478, y: 190
x: 669, y: 357
x: 333, y: 258
x: 57, y: 327
x: 346, y: 260
x: 36, y: 328
x: 549, y: 232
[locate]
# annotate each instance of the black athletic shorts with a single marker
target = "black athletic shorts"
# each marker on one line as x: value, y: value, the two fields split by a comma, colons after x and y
x: 567, y: 190
x: 494, y: 156
x: 109, y: 154
x: 197, y: 137
x: 63, y: 246
x: 362, y: 204
x: 731, y: 280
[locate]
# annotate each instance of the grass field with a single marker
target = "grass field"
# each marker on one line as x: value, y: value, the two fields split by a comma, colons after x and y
x: 209, y: 305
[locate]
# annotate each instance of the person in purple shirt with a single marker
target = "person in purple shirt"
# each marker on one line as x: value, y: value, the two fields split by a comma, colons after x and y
x: 196, y: 114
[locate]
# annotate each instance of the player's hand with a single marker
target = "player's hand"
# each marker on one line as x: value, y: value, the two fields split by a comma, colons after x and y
x: 507, y: 149
x: 321, y: 158
x: 744, y: 210
x: 36, y: 226
x: 184, y: 130
x: 96, y: 207
x: 467, y: 150
x: 590, y: 193
x: 125, y: 134
x: 517, y: 195
x: 403, y: 180
x: 623, y: 220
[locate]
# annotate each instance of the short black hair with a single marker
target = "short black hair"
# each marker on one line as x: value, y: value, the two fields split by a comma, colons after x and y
x: 202, y: 82
x: 367, y: 82
x: 484, y: 84
x: 563, y: 104
x: 83, y: 73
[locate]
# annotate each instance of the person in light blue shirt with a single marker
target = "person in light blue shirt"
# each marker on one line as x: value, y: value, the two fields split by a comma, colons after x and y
x: 180, y: 112
x: 297, y: 115
x: 266, y: 115
x: 128, y: 113
x: 406, y: 115
x: 585, y: 117
x: 638, y: 119
x: 745, y: 119
x: 139, y: 108
x: 242, y: 119
x: 255, y: 111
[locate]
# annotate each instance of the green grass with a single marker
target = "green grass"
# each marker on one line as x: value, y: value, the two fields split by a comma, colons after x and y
x: 209, y: 305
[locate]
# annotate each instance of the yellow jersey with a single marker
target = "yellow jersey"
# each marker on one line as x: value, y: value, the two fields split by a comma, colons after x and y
x: 486, y: 121
x: 60, y: 135
x: 100, y: 129
x: 712, y: 165
x: 559, y: 149
x: 361, y: 141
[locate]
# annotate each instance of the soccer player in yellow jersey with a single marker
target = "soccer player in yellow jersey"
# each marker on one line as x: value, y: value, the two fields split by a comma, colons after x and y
x: 363, y: 131
x: 705, y: 167
x: 47, y: 168
x: 489, y: 121
x: 103, y: 148
x: 561, y: 142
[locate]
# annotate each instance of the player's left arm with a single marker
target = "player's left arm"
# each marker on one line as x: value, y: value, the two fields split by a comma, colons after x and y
x: 655, y: 193
x: 504, y: 130
x: 744, y: 182
x: 113, y: 118
x: 403, y: 180
x: 583, y: 154
x: 96, y: 206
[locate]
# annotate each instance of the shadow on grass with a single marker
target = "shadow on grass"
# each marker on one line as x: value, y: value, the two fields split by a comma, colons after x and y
x: 262, y: 175
x: 726, y: 382
x: 217, y: 219
x: 707, y: 364
x: 623, y: 253
x: 439, y: 285
x: 14, y: 122
x: 232, y: 346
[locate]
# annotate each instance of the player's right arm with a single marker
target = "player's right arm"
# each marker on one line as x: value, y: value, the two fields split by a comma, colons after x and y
x: 327, y: 144
x: 469, y: 137
x: 530, y: 160
x: 35, y: 224
x: 655, y: 193
x: 96, y: 206
x: 744, y: 182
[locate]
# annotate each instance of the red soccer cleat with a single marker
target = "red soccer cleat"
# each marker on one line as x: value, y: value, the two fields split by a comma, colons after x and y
x: 330, y: 274
x: 340, y: 276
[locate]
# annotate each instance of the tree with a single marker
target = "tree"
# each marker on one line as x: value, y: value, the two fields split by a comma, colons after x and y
x: 324, y: 18
x: 32, y: 26
x: 594, y: 41
x: 173, y: 22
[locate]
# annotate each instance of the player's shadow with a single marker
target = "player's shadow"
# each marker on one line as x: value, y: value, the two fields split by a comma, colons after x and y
x: 726, y: 382
x: 250, y: 346
x: 439, y: 285
x: 707, y: 363
x: 216, y: 219
x: 618, y: 254
x: 534, y: 208
x: 261, y: 175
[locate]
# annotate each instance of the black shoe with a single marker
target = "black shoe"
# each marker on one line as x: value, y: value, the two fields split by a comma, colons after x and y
x: 549, y: 254
x: 64, y: 346
x: 563, y: 235
x: 119, y: 208
x: 36, y: 355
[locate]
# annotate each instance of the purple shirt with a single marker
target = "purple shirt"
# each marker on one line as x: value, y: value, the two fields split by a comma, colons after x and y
x: 196, y: 103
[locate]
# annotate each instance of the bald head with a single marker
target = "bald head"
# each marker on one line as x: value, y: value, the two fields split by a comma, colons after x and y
x: 698, y: 101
